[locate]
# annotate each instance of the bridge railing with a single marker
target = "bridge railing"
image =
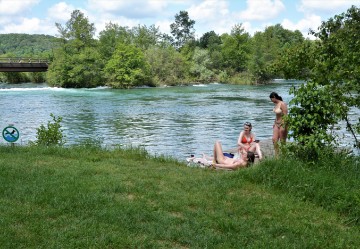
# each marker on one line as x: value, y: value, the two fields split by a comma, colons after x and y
x: 23, y: 60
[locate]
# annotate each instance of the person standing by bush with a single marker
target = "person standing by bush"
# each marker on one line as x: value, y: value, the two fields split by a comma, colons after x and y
x: 280, y: 130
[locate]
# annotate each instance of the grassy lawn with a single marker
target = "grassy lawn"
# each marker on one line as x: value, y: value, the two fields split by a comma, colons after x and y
x: 84, y: 197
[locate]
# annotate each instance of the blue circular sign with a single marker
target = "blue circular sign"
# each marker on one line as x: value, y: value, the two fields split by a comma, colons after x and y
x: 10, y: 134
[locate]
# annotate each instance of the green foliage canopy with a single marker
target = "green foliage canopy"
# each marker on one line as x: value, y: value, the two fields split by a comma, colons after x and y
x: 267, y: 50
x: 201, y: 65
x: 78, y: 29
x: 25, y: 45
x: 235, y: 49
x: 127, y: 67
x: 167, y: 66
x: 110, y: 36
x: 77, y: 62
x: 333, y: 88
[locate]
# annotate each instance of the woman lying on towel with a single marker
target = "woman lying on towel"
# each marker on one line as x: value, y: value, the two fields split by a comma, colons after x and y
x: 224, y: 160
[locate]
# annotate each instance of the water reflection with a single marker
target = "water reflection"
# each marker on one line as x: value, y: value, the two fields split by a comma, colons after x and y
x: 175, y: 121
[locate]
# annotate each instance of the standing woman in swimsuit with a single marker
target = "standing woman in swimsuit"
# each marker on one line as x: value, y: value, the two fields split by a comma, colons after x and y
x: 279, y: 128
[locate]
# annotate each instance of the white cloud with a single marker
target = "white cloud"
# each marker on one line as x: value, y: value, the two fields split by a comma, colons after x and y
x: 12, y: 7
x: 107, y: 5
x: 211, y: 15
x: 135, y: 8
x: 262, y: 10
x: 164, y: 26
x: 329, y: 5
x: 100, y: 22
x: 309, y: 22
x: 208, y: 10
x: 29, y: 25
x: 61, y: 11
x: 316, y: 11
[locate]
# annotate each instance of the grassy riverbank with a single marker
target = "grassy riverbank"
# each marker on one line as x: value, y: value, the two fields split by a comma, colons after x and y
x: 84, y: 197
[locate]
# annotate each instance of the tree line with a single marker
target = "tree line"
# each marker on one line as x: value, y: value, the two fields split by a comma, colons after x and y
x: 123, y: 57
x: 26, y: 45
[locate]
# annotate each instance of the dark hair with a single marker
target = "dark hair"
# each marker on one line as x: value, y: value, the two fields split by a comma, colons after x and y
x: 248, y: 124
x: 251, y: 156
x: 275, y: 95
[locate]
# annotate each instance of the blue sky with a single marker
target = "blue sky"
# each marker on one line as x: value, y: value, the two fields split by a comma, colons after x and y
x: 39, y: 16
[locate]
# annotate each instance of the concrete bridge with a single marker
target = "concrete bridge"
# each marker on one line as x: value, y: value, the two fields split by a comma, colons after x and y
x: 23, y: 64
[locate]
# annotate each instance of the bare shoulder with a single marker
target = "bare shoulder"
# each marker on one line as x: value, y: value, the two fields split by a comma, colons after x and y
x: 241, y: 134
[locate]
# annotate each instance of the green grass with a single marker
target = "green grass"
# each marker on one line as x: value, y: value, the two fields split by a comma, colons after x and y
x: 86, y: 197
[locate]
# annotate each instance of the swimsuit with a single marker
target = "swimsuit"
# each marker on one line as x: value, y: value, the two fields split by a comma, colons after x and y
x: 278, y: 110
x: 245, y: 141
x: 278, y: 124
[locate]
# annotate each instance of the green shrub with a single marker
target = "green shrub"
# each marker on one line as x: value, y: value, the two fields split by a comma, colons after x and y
x: 52, y: 134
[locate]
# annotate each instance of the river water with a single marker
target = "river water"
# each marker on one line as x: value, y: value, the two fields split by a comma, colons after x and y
x: 171, y: 121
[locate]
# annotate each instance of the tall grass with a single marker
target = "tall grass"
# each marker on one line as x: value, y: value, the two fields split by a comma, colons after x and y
x: 333, y: 182
x: 88, y: 197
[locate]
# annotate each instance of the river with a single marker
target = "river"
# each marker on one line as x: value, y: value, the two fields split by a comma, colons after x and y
x: 172, y: 121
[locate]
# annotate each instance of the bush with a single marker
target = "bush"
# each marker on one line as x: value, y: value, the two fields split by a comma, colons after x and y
x: 52, y: 134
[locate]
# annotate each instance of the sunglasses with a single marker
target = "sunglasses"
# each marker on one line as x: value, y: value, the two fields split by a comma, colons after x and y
x: 248, y: 124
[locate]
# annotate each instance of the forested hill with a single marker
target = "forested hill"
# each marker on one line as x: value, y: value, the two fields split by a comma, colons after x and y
x: 26, y: 44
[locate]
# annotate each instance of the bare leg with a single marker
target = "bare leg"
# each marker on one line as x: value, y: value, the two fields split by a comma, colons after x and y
x: 275, y: 139
x: 258, y: 151
x: 218, y: 152
x: 283, y: 134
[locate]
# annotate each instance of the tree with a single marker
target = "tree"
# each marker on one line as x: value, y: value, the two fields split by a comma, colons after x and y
x: 299, y: 66
x: 201, y: 64
x: 267, y: 49
x: 182, y: 29
x: 112, y: 35
x: 145, y: 37
x: 82, y: 69
x: 13, y: 77
x: 127, y: 67
x: 25, y: 45
x: 333, y: 87
x: 209, y: 40
x: 236, y: 49
x: 167, y: 66
x: 78, y: 29
x: 212, y: 42
x: 77, y: 62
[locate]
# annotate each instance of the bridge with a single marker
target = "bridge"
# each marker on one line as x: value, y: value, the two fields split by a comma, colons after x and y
x: 23, y: 64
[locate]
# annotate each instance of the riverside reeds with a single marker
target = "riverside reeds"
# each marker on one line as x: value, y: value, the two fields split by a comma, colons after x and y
x: 88, y: 197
